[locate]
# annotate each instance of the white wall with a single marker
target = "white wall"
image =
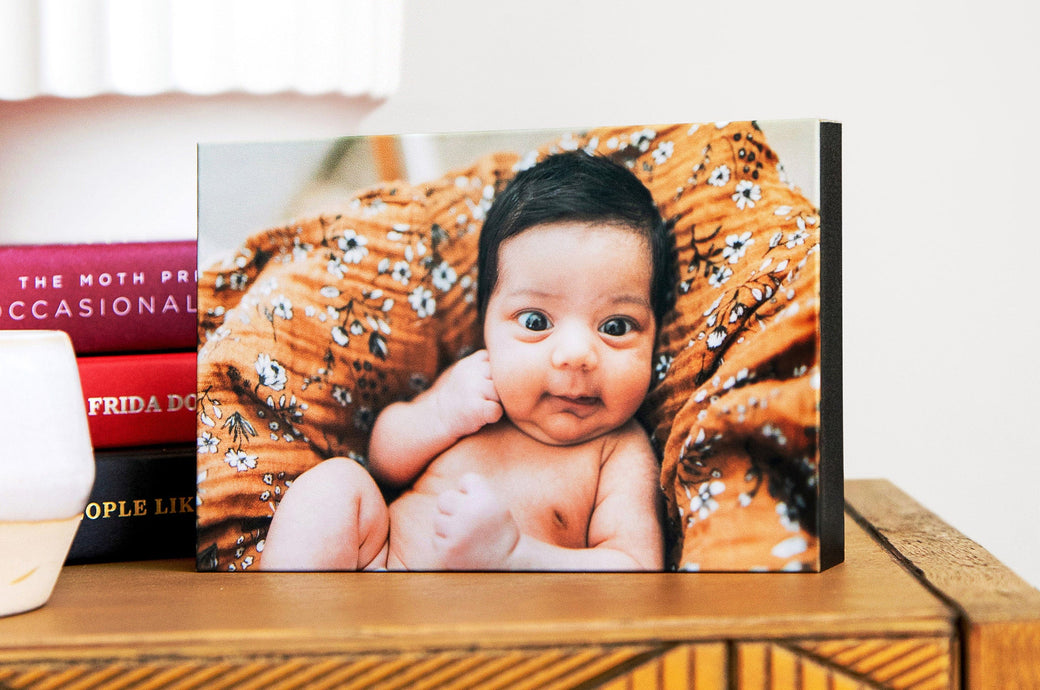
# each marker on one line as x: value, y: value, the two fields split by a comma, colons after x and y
x: 940, y: 243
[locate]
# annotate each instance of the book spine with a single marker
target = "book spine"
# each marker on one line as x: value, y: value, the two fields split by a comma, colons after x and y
x: 120, y: 297
x: 142, y: 506
x: 139, y: 399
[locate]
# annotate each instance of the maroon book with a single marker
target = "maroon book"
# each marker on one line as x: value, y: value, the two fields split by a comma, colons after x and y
x: 139, y: 399
x: 108, y: 297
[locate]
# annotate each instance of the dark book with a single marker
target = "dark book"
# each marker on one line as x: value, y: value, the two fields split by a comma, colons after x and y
x: 119, y: 297
x: 142, y: 506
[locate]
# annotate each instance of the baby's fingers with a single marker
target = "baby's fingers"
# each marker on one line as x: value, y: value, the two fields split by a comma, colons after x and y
x: 491, y: 411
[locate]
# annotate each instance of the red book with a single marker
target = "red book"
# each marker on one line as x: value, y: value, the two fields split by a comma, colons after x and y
x: 139, y: 399
x: 108, y: 297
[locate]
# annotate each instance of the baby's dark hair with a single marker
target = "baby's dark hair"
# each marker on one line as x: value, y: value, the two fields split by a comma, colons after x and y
x: 578, y: 187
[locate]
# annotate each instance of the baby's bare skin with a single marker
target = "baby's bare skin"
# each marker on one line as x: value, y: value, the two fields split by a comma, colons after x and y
x: 496, y: 500
x: 526, y: 460
x: 551, y: 492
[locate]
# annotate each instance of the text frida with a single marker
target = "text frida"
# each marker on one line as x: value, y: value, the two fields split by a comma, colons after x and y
x: 135, y: 404
x: 139, y: 507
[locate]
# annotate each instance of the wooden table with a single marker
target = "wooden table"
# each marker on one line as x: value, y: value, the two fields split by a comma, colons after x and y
x: 915, y: 605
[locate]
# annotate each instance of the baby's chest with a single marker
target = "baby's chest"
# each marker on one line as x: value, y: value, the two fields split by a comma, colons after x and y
x: 550, y: 491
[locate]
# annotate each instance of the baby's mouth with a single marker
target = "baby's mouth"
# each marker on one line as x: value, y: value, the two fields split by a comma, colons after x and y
x: 578, y: 400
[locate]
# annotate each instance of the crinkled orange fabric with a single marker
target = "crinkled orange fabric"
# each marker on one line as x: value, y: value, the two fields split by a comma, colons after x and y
x: 313, y: 328
x: 322, y: 323
x: 735, y: 412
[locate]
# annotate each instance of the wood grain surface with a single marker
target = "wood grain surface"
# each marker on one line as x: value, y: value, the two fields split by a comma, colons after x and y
x: 999, y: 611
x: 896, y: 614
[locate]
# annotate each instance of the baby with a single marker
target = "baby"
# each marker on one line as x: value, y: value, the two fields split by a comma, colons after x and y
x: 525, y: 455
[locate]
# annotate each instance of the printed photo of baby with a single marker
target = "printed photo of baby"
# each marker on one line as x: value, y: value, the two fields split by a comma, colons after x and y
x: 527, y: 351
x: 523, y: 455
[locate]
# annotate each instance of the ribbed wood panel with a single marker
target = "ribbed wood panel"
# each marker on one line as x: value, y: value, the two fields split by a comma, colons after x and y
x: 687, y: 667
x: 565, y: 667
x: 904, y: 664
x: 917, y: 664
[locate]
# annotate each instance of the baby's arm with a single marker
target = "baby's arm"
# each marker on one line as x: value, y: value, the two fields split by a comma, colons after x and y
x: 475, y: 531
x: 408, y: 435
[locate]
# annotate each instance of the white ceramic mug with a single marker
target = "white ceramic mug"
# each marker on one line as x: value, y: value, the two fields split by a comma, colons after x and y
x: 46, y: 464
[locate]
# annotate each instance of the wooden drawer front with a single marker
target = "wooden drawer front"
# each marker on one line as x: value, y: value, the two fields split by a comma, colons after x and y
x: 652, y: 665
x: 865, y: 663
x: 913, y: 663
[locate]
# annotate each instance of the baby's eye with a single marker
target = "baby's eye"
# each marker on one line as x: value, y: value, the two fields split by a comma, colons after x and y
x: 534, y: 321
x: 617, y: 326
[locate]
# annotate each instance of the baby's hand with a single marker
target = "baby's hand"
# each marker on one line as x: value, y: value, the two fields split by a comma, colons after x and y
x: 473, y: 530
x: 465, y: 396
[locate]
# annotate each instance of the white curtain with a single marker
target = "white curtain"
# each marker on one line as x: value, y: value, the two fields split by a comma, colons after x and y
x: 81, y: 48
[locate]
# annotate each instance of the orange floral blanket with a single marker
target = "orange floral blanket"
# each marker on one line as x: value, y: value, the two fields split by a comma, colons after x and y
x: 314, y: 327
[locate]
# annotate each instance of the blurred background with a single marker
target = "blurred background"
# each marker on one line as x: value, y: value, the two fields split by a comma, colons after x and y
x: 940, y: 247
x: 244, y: 187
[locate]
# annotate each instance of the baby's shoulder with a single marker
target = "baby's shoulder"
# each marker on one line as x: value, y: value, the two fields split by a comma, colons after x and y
x: 629, y: 439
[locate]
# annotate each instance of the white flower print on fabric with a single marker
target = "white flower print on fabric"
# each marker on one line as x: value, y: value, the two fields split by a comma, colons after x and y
x: 336, y: 267
x: 527, y: 161
x: 784, y: 513
x: 444, y: 276
x: 207, y: 443
x: 664, y: 363
x: 719, y: 275
x: 568, y: 142
x: 704, y: 504
x: 342, y: 395
x: 282, y: 307
x: 789, y: 548
x: 641, y: 139
x: 271, y: 373
x: 374, y: 208
x: 719, y: 176
x: 663, y: 152
x: 747, y: 194
x: 340, y: 336
x: 736, y: 246
x: 353, y: 246
x: 402, y: 272
x: 797, y: 238
x: 240, y: 460
x: 373, y: 323
x: 716, y: 338
x: 421, y: 300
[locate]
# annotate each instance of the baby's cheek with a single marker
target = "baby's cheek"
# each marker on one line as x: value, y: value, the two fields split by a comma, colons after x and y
x: 634, y: 384
x: 509, y: 371
x: 515, y: 391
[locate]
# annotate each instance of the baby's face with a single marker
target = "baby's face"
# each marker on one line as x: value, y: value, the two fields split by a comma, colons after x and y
x: 570, y: 330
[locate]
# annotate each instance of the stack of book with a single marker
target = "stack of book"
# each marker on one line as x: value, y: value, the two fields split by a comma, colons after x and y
x: 130, y: 311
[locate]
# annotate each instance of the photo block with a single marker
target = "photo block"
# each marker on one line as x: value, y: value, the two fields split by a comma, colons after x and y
x: 602, y: 349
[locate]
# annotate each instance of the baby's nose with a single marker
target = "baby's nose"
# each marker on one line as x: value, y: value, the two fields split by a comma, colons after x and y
x: 574, y: 348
